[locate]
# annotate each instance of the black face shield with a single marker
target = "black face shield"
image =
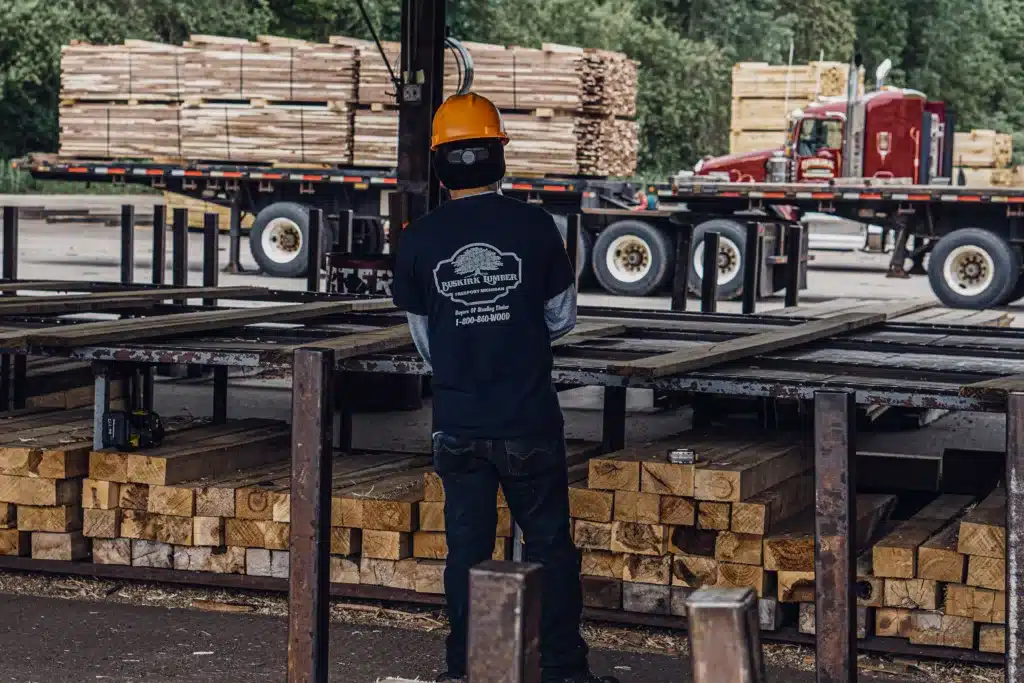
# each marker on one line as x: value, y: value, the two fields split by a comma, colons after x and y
x: 469, y: 163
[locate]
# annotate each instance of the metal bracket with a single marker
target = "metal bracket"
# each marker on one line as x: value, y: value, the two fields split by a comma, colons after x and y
x: 266, y: 186
x: 188, y: 184
x: 412, y: 92
x: 826, y: 207
x: 306, y: 187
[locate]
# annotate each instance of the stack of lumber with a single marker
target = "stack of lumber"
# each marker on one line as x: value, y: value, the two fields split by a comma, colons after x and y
x: 137, y: 70
x: 984, y: 158
x: 606, y: 146
x: 980, y: 595
x: 120, y: 131
x: 763, y: 96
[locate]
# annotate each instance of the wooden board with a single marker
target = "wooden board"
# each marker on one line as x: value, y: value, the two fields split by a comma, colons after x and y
x: 933, y: 628
x: 56, y: 519
x: 977, y: 604
x: 102, y: 523
x: 15, y: 543
x: 986, y: 572
x: 738, y: 548
x: 678, y: 511
x: 112, y: 551
x: 40, y: 492
x: 65, y: 547
x: 693, y: 571
x: 938, y: 558
x: 913, y: 594
x: 765, y: 511
x: 712, y: 515
x: 633, y: 506
x: 750, y: 471
x: 895, y: 556
x: 639, y: 539
x: 892, y: 622
x: 983, y: 529
x: 992, y: 638
x: 647, y: 569
x: 603, y: 563
x: 216, y: 560
x: 646, y: 598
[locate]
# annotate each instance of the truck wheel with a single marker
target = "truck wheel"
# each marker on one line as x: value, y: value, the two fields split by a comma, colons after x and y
x: 632, y: 258
x: 586, y: 244
x: 973, y: 268
x: 277, y: 239
x: 731, y: 240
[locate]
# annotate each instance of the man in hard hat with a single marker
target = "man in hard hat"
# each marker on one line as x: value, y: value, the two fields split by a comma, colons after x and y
x: 487, y: 286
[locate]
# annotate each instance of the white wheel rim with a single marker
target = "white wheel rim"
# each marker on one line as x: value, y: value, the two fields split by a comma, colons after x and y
x: 628, y: 258
x: 729, y: 261
x: 282, y: 240
x: 969, y: 270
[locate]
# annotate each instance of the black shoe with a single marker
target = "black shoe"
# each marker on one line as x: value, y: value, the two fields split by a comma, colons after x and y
x: 580, y: 678
x: 450, y: 677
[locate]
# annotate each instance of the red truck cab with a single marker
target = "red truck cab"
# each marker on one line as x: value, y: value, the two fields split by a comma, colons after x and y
x: 896, y: 134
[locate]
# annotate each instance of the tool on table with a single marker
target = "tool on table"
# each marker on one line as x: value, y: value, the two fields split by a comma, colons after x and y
x: 131, y: 430
x: 682, y: 456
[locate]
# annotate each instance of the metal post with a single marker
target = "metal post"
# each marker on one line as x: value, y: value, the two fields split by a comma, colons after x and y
x: 220, y: 394
x: 572, y: 243
x: 1014, y: 540
x: 613, y: 430
x: 211, y: 238
x: 681, y: 276
x: 794, y: 253
x: 834, y: 550
x: 315, y: 255
x: 309, y: 574
x: 518, y: 549
x: 159, y: 243
x: 709, y: 280
x: 10, y: 246
x: 20, y: 380
x: 504, y: 623
x: 101, y: 403
x: 235, y: 240
x: 127, y: 244
x: 179, y: 245
x: 725, y: 640
x: 751, y: 267
x: 345, y: 234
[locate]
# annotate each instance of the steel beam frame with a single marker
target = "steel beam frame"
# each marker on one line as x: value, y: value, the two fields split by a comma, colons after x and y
x: 504, y: 623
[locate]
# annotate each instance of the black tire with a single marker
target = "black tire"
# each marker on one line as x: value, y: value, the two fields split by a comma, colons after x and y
x: 1017, y: 293
x: 1004, y: 259
x: 731, y: 246
x: 650, y: 243
x: 294, y: 216
x: 585, y: 246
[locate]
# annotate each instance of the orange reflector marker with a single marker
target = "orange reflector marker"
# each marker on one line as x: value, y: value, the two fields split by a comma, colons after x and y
x: 969, y: 198
x: 78, y: 169
x: 919, y: 197
x: 521, y: 186
x: 822, y: 195
x: 730, y: 194
x: 553, y: 188
x: 232, y: 174
x: 391, y: 181
x: 312, y: 177
x: 352, y: 179
x: 774, y: 195
x: 272, y: 176
x: 194, y: 174
x: 115, y: 171
x: 154, y: 171
x: 871, y: 195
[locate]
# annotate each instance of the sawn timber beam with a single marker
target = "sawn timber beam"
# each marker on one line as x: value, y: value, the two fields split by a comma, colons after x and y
x: 80, y: 303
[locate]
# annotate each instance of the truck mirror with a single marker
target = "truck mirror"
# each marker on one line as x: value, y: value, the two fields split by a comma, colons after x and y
x: 881, y: 73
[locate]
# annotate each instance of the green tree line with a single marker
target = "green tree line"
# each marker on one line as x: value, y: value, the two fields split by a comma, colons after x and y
x: 966, y: 52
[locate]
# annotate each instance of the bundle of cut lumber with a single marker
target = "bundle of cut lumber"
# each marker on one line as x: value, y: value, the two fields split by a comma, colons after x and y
x: 983, y: 149
x: 606, y: 146
x: 120, y: 131
x: 136, y: 70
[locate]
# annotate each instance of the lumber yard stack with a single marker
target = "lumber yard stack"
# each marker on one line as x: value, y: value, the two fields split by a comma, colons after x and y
x: 984, y: 157
x: 568, y: 110
x: 763, y: 96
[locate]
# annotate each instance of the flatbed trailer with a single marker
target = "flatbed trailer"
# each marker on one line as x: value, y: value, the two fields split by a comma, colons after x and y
x: 973, y: 237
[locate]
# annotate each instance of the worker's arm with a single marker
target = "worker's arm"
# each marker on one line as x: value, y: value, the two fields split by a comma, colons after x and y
x: 408, y: 295
x: 418, y: 327
x: 560, y: 286
x: 560, y: 313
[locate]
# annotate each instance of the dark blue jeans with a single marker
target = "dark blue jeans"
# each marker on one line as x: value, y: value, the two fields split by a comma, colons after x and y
x: 532, y: 473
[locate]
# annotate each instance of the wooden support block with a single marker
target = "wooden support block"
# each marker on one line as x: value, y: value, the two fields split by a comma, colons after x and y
x: 102, y: 524
x: 136, y: 497
x: 763, y: 513
x: 646, y: 598
x: 392, y: 515
x: 938, y: 558
x: 346, y: 570
x: 613, y: 475
x: 281, y: 508
x: 602, y: 563
x: 913, y: 594
x: 934, y: 628
x: 162, y: 528
x: 383, y: 545
x: 56, y: 519
x: 989, y: 606
x: 100, y: 495
x: 345, y: 541
x: 253, y: 502
x: 692, y: 571
x: 739, y: 548
x: 744, y: 576
x: 14, y: 543
x: 959, y: 601
x: 171, y: 500
x: 680, y: 594
x: 895, y: 556
x: 8, y: 515
x: 807, y: 620
x: 433, y: 488
x: 676, y: 511
x: 992, y: 639
x: 40, y: 492
x: 389, y: 573
x: 647, y: 569
x: 983, y: 529
x: 892, y: 623
x: 665, y: 478
x: 601, y: 593
x: 66, y: 547
x: 212, y: 501
x: 208, y: 531
x: 112, y: 551
x: 254, y: 533
x: 429, y: 577
x: 592, y: 505
x: 984, y: 572
x: 639, y: 539
x: 64, y: 462
x: 229, y: 560
x: 347, y: 512
x: 711, y: 515
x: 432, y: 516
x: 429, y: 545
x: 688, y: 540
x: 592, y: 535
x: 152, y: 554
x: 870, y: 589
x: 750, y: 471
x: 633, y: 506
x: 263, y: 562
x: 796, y: 586
x: 108, y: 466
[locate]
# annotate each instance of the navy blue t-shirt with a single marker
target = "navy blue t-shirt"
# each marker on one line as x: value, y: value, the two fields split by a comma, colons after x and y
x: 481, y: 269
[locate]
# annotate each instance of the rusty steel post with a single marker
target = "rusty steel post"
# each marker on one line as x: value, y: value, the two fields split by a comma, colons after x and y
x: 235, y: 239
x: 751, y: 267
x: 314, y: 253
x: 127, y: 244
x: 504, y: 622
x: 101, y: 401
x: 725, y: 639
x: 613, y: 426
x: 211, y: 255
x: 834, y: 551
x: 1014, y: 537
x: 179, y: 250
x: 159, y: 243
x: 10, y: 243
x: 794, y: 252
x: 709, y: 285
x: 309, y: 574
x: 681, y: 274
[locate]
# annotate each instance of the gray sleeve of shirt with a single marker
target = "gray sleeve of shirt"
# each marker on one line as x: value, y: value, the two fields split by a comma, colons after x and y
x: 418, y: 328
x: 560, y: 313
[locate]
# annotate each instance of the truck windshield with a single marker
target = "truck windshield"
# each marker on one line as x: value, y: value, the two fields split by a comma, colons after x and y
x: 817, y: 134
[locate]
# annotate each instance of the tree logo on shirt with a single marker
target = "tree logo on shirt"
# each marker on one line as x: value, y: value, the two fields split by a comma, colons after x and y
x: 478, y: 274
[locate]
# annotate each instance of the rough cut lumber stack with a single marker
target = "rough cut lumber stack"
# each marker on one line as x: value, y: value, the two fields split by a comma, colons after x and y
x: 125, y: 131
x: 606, y: 146
x: 138, y: 70
x: 982, y: 149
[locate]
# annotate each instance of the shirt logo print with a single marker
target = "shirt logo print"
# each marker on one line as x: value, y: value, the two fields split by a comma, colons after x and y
x: 477, y: 274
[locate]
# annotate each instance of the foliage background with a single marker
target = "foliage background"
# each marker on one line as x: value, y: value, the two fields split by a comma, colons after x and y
x: 966, y: 52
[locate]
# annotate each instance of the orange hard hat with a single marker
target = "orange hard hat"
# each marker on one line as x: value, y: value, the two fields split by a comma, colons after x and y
x: 467, y: 117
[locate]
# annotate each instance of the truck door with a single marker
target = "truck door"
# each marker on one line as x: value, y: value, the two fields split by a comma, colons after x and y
x: 818, y: 152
